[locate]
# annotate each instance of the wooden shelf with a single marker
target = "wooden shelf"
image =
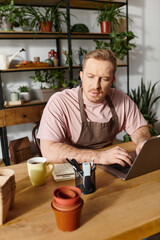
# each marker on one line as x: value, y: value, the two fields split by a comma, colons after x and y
x: 50, y: 35
x: 93, y: 4
x: 26, y: 104
x: 35, y: 2
x: 32, y: 69
x: 80, y: 4
x: 32, y: 35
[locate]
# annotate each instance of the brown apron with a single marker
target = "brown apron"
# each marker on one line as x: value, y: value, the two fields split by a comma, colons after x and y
x: 93, y: 134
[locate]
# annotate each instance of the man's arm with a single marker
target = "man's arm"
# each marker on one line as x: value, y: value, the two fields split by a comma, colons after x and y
x: 140, y: 136
x: 58, y: 152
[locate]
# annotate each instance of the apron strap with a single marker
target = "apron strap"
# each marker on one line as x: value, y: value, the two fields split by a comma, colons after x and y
x: 81, y: 106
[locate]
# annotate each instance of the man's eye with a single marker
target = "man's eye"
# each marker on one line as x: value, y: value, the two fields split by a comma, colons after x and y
x: 90, y: 76
x: 105, y: 79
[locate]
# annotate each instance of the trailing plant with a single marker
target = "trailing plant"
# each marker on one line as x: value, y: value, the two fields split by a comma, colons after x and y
x: 120, y: 43
x: 82, y: 51
x: 110, y: 13
x: 46, y: 14
x: 143, y: 97
x: 23, y: 88
x: 101, y: 44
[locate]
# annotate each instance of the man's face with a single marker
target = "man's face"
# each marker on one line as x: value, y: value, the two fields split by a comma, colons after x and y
x: 97, y: 78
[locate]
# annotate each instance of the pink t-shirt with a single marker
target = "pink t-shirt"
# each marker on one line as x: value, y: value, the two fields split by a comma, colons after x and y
x: 61, y: 120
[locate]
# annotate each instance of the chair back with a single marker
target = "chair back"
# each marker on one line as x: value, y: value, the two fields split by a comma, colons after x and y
x: 35, y: 139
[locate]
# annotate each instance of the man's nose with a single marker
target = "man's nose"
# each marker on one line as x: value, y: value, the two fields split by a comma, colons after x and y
x: 96, y: 83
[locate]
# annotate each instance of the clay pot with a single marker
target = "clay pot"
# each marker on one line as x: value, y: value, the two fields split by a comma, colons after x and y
x: 66, y: 195
x: 67, y: 207
x: 105, y: 27
x: 68, y: 220
x: 47, y: 27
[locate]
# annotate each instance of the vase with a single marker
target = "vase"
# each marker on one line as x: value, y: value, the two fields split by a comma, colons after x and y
x: 24, y: 96
x: 105, y: 27
x: 81, y: 59
x: 6, y: 26
x: 47, y: 27
x: 14, y: 96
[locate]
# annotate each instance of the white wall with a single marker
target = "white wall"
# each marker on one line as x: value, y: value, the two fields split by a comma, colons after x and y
x: 144, y: 60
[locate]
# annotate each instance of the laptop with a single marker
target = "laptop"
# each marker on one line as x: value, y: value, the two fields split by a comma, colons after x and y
x: 148, y: 160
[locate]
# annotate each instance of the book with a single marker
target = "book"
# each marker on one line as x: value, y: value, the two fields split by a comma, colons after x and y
x: 63, y: 172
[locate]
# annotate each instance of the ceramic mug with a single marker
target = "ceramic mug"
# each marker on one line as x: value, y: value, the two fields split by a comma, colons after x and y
x: 38, y: 170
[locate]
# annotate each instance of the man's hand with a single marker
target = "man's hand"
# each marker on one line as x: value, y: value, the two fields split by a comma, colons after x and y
x: 115, y: 155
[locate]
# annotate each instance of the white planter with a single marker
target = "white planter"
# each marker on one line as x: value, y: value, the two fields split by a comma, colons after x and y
x: 24, y: 96
x: 6, y: 26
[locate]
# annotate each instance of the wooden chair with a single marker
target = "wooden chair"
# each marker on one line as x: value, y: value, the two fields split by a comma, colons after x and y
x: 35, y: 139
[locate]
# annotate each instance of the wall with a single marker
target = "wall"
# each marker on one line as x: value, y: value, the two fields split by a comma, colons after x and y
x: 144, y: 60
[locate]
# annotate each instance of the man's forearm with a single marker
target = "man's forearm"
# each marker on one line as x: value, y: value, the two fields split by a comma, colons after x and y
x: 58, y: 152
x: 140, y: 135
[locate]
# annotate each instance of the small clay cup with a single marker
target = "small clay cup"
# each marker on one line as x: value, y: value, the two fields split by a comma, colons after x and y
x: 68, y: 220
x: 66, y: 195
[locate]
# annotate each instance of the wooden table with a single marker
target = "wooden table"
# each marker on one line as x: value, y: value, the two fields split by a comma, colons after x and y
x: 118, y: 210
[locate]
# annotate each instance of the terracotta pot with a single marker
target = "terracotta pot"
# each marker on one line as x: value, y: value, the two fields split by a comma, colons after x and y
x: 105, y: 27
x: 66, y: 195
x: 68, y: 207
x: 47, y: 27
x: 68, y: 220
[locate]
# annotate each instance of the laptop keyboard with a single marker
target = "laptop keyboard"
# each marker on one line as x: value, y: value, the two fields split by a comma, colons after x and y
x: 121, y: 168
x: 126, y: 168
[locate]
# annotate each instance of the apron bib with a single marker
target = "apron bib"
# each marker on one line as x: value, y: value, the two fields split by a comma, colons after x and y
x: 96, y: 135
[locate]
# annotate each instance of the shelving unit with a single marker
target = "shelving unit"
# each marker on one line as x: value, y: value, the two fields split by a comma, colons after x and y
x: 31, y: 112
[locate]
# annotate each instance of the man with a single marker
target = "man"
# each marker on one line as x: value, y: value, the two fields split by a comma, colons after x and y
x: 79, y: 121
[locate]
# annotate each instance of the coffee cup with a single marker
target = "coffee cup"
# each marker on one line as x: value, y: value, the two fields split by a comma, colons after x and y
x: 39, y: 170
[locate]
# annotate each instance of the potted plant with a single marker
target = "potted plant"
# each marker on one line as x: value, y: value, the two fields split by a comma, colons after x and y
x: 11, y: 16
x: 59, y: 80
x: 69, y: 58
x: 121, y: 43
x: 51, y: 82
x: 108, y: 16
x: 143, y: 97
x: 43, y: 18
x: 24, y: 93
x: 79, y: 27
x: 81, y: 53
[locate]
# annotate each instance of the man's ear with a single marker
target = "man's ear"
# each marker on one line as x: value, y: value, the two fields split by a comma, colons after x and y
x: 80, y: 74
x: 113, y: 79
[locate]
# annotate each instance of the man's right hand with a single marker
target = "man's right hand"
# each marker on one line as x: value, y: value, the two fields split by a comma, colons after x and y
x: 115, y: 155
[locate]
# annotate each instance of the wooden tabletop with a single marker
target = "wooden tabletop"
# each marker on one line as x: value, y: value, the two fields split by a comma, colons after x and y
x: 118, y: 210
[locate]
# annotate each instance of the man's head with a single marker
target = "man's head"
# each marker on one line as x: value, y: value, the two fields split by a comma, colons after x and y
x: 98, y: 74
